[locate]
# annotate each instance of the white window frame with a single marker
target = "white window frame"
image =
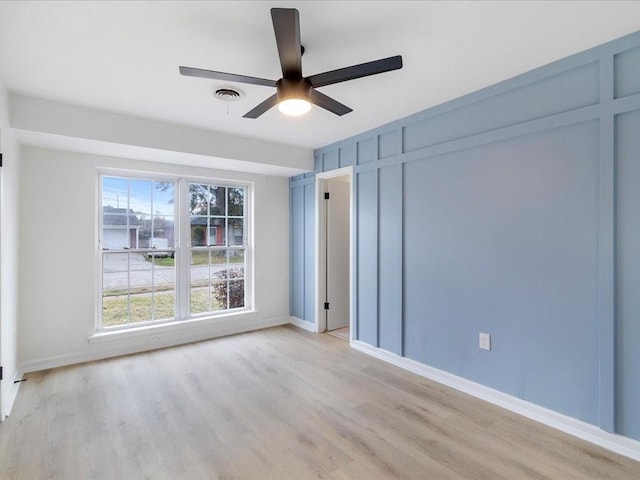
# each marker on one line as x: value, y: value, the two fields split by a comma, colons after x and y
x: 182, y: 247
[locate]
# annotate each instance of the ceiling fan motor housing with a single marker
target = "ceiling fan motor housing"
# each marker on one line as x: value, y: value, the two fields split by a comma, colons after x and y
x: 293, y: 88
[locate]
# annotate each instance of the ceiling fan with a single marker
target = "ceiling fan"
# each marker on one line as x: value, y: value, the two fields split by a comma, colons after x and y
x: 295, y: 93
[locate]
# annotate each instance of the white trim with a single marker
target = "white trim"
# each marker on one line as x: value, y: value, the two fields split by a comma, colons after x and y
x: 309, y: 326
x: 3, y: 408
x: 163, y: 326
x: 153, y: 341
x: 585, y: 431
x: 181, y: 245
x: 321, y: 318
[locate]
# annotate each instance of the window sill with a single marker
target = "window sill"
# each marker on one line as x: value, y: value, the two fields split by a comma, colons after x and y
x: 177, y: 325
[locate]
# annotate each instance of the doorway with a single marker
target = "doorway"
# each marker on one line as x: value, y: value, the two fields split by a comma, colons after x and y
x: 334, y: 230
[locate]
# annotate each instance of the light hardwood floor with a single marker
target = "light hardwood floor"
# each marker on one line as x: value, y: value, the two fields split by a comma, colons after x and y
x: 279, y: 403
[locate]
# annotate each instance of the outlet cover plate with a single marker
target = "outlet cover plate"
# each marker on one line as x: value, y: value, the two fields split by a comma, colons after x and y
x: 485, y: 341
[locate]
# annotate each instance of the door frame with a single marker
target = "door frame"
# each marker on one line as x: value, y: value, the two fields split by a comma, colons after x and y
x: 4, y: 384
x: 320, y: 184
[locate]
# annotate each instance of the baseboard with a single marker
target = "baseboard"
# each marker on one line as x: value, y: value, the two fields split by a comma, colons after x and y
x: 142, y: 344
x: 310, y: 327
x: 10, y: 398
x: 585, y: 431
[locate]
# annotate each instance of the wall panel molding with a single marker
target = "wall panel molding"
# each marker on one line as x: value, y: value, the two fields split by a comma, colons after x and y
x: 606, y: 266
x: 549, y: 132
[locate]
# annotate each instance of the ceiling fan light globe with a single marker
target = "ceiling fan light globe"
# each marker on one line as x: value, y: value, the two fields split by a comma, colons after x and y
x: 294, y: 107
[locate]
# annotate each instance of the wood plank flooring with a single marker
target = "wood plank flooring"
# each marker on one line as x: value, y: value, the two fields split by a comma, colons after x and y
x: 279, y: 403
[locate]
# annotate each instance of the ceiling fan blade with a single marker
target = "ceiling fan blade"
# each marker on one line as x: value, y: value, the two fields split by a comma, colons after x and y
x: 328, y: 103
x: 286, y: 26
x: 356, y: 71
x: 262, y: 107
x: 228, y: 77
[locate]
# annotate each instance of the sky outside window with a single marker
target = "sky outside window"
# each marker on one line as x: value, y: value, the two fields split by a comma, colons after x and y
x: 138, y: 195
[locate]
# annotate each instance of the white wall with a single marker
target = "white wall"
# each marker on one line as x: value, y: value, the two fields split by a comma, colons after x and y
x: 58, y: 273
x: 8, y: 256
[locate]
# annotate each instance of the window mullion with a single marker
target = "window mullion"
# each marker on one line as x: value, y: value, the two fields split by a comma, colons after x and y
x: 183, y: 256
x: 153, y: 286
x: 128, y: 245
x: 128, y: 288
x: 209, y: 284
x: 228, y: 268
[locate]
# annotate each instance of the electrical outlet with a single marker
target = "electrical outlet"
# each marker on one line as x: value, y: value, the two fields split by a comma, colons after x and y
x: 485, y: 341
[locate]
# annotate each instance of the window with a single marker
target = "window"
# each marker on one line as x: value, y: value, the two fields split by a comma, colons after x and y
x: 218, y: 247
x: 146, y: 275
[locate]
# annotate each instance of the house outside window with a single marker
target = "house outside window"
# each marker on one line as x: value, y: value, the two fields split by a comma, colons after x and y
x: 157, y: 233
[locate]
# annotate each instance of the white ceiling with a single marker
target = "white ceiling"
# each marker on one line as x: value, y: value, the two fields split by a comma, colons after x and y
x: 124, y: 56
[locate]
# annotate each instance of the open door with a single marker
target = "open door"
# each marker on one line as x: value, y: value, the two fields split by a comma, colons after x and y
x: 334, y: 252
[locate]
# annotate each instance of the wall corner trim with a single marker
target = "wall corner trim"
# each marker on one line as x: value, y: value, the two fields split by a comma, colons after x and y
x: 310, y: 327
x: 590, y: 433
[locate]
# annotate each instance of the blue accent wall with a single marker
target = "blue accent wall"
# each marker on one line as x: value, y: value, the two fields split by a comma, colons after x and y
x: 302, y: 265
x: 628, y: 272
x: 515, y: 211
x: 389, y: 253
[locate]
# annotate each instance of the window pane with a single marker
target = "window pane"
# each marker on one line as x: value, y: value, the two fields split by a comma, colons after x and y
x: 236, y: 258
x: 235, y: 272
x: 219, y: 260
x: 115, y: 289
x: 163, y: 292
x: 200, y: 257
x: 141, y: 290
x: 115, y: 233
x: 200, y: 299
x: 217, y: 228
x: 137, y: 288
x: 199, y: 197
x: 199, y: 281
x: 236, y: 202
x: 216, y: 280
x: 199, y: 231
x: 139, y: 230
x: 164, y: 304
x: 236, y: 231
x: 115, y: 193
x: 236, y: 293
x: 219, y: 296
x: 217, y: 199
x: 140, y: 214
x: 163, y: 198
x: 135, y: 211
x: 219, y: 271
x: 112, y: 218
x: 140, y: 197
x: 236, y: 286
x: 163, y: 232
